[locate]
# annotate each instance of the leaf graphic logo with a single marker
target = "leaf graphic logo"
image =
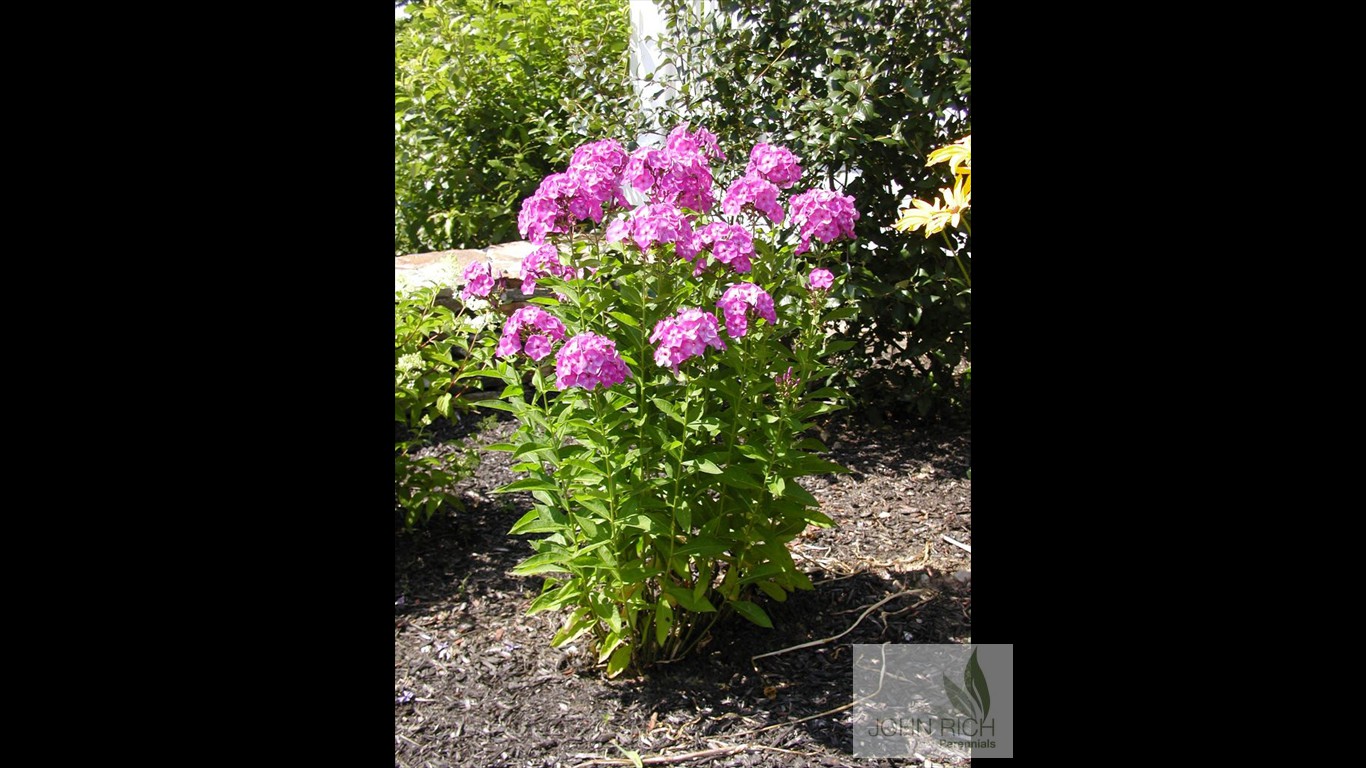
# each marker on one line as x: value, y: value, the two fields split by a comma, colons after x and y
x: 972, y: 699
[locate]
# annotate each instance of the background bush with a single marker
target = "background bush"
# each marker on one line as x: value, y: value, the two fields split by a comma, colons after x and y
x: 489, y: 97
x: 862, y: 91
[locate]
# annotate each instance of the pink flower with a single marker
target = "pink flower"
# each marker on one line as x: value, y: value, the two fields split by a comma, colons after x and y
x: 644, y: 165
x: 756, y: 194
x: 478, y: 280
x: 656, y: 225
x: 608, y: 152
x: 737, y: 300
x: 541, y: 216
x: 588, y: 360
x: 537, y: 346
x: 595, y: 184
x: 681, y: 179
x: 820, y: 279
x: 823, y: 214
x: 777, y: 164
x: 543, y: 262
x: 701, y: 144
x: 786, y: 381
x: 575, y: 195
x: 532, y: 319
x: 729, y: 244
x: 686, y: 334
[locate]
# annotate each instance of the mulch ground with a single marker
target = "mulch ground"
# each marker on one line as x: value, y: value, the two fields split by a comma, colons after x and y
x: 476, y: 682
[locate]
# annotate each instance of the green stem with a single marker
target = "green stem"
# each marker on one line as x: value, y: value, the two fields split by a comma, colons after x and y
x: 599, y: 396
x: 678, y: 481
x: 954, y: 251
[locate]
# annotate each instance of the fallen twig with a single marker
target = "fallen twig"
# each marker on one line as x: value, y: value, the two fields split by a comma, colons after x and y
x: 881, y: 674
x: 955, y: 542
x: 664, y: 759
x: 823, y: 641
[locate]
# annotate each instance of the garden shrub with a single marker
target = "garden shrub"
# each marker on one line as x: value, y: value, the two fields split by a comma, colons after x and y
x: 489, y: 96
x: 433, y: 347
x: 862, y: 90
x: 665, y: 384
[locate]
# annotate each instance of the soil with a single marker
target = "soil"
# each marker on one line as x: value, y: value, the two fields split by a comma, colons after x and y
x: 476, y: 682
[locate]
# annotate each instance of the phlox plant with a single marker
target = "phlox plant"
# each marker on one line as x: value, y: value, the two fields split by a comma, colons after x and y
x: 665, y: 384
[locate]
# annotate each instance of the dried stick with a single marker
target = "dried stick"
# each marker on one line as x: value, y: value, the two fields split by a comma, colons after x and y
x: 870, y: 609
x: 945, y: 537
x: 663, y: 759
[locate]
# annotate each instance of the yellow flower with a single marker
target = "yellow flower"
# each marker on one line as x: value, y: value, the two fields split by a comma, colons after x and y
x: 957, y: 153
x: 932, y: 217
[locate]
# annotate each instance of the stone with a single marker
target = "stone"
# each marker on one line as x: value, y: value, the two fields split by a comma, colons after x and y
x: 446, y: 268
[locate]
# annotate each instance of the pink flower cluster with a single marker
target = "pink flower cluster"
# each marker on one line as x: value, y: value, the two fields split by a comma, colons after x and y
x: 543, y: 327
x: 608, y: 152
x: 786, y: 381
x: 588, y: 360
x: 729, y: 244
x: 655, y: 225
x: 823, y: 214
x: 543, y: 262
x: 686, y: 334
x: 820, y: 279
x: 737, y: 300
x: 702, y: 143
x: 776, y: 164
x: 592, y: 180
x: 478, y: 280
x: 756, y: 194
x: 679, y: 174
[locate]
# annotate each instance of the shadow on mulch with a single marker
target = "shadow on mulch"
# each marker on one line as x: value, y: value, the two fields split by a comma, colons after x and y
x: 738, y: 694
x: 477, y: 683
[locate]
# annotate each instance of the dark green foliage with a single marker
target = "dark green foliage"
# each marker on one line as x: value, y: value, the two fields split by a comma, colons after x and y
x: 490, y: 96
x: 432, y: 346
x: 872, y: 85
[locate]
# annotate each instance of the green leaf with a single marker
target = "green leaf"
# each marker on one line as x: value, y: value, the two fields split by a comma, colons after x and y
x: 738, y: 477
x: 641, y: 521
x: 776, y: 486
x: 499, y: 405
x: 514, y: 390
x: 578, y: 623
x: 772, y: 590
x: 547, y: 562
x: 752, y: 612
x: 594, y: 506
x: 555, y: 597
x: 683, y: 516
x: 811, y: 465
x: 689, y: 601
x: 800, y: 494
x: 706, y: 465
x: 817, y: 518
x: 526, y: 448
x: 760, y: 572
x: 529, y: 484
x: 664, y: 621
x: 625, y: 319
x: 631, y: 754
x: 704, y: 546
x: 534, y: 522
